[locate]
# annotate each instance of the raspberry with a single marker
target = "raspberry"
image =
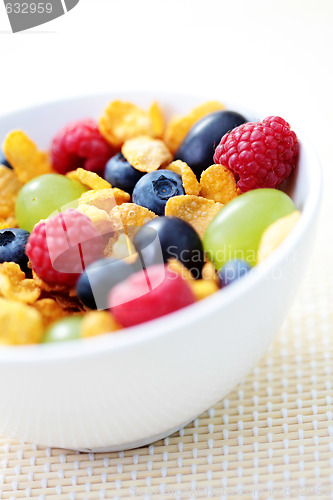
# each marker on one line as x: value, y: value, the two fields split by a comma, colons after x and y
x: 259, y: 154
x: 80, y: 145
x: 149, y: 294
x: 60, y: 247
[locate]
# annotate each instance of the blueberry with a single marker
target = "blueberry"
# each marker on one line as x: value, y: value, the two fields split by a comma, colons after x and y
x: 198, y: 147
x: 121, y: 174
x: 12, y: 247
x: 170, y: 237
x: 155, y: 188
x: 4, y: 161
x: 232, y: 271
x: 99, y: 278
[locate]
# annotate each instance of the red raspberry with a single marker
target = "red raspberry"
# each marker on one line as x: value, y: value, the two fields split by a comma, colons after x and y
x: 149, y: 294
x: 61, y: 247
x: 80, y: 144
x: 259, y: 154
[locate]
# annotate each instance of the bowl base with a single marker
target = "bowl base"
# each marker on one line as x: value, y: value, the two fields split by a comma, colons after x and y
x: 135, y: 444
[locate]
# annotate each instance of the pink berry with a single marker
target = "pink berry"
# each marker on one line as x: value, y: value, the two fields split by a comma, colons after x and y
x: 61, y: 247
x: 149, y: 294
x: 260, y: 155
x: 80, y: 145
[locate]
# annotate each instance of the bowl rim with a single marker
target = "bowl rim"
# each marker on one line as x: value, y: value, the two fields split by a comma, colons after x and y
x: 153, y: 330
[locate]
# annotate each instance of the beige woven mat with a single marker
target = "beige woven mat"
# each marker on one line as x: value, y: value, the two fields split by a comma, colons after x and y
x: 272, y: 437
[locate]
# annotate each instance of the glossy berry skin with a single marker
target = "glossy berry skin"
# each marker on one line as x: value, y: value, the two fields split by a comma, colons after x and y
x: 154, y: 189
x: 4, y: 161
x: 168, y: 237
x: 260, y: 155
x: 64, y: 330
x: 120, y: 173
x: 80, y: 145
x: 61, y: 247
x: 148, y: 295
x: 96, y: 282
x: 12, y: 246
x: 232, y: 271
x: 198, y: 147
x: 44, y: 195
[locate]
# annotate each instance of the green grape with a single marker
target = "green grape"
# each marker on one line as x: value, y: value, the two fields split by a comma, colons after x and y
x: 235, y: 232
x: 44, y: 195
x: 64, y: 329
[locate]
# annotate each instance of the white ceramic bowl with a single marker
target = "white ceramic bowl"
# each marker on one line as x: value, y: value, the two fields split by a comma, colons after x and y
x: 126, y: 390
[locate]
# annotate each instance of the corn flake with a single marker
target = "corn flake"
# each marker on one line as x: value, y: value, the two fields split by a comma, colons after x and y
x: 9, y: 189
x: 121, y: 196
x: 203, y: 288
x: 120, y: 247
x: 176, y: 266
x: 123, y: 120
x: 190, y: 182
x: 157, y: 119
x: 178, y: 127
x: 21, y: 324
x: 50, y: 311
x: 99, y: 218
x: 218, y: 183
x: 24, y: 156
x: 275, y: 234
x: 104, y: 199
x: 48, y: 287
x: 146, y: 154
x: 108, y: 250
x: 8, y: 222
x: 98, y: 323
x: 209, y: 272
x: 195, y: 210
x: 89, y: 179
x: 14, y: 285
x: 129, y: 215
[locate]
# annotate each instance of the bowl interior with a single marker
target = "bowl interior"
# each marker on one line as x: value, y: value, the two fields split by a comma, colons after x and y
x: 43, y: 121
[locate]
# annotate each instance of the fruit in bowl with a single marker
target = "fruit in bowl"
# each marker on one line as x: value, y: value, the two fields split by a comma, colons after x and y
x: 189, y: 212
x: 149, y: 267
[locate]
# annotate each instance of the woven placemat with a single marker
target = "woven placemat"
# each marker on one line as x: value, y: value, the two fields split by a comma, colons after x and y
x: 272, y: 437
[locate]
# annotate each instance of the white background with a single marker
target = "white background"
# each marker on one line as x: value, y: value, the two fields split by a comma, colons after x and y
x: 266, y: 54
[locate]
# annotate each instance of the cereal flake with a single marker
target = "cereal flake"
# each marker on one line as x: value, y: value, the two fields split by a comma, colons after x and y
x: 9, y: 189
x: 122, y: 121
x: 157, y: 119
x: 91, y: 180
x: 24, y: 324
x: 190, y: 182
x: 146, y: 154
x: 218, y: 183
x: 98, y: 323
x: 24, y: 156
x: 130, y: 215
x: 195, y: 210
x: 15, y: 286
x: 275, y: 234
